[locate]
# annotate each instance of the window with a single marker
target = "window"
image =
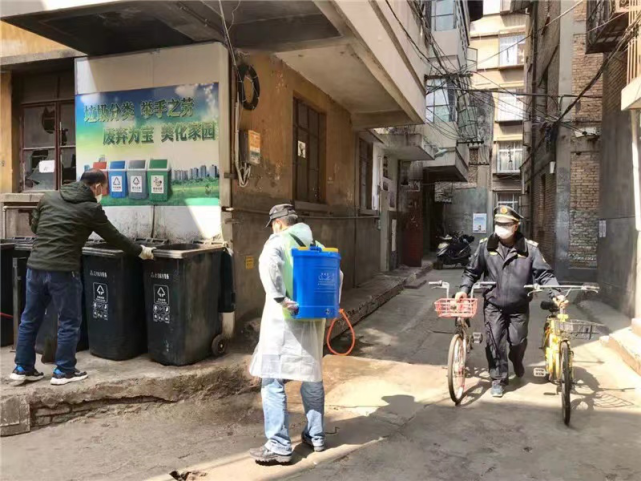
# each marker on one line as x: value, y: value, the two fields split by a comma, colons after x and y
x: 48, y: 140
x: 366, y: 167
x: 491, y: 7
x: 440, y: 103
x: 444, y: 15
x: 509, y: 156
x: 309, y: 136
x: 508, y: 199
x: 506, y: 6
x: 511, y: 106
x: 512, y: 50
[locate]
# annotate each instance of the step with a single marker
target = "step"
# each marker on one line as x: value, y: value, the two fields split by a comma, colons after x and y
x: 628, y: 345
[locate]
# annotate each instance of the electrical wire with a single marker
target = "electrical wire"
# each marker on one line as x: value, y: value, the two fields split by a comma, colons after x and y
x: 243, y: 171
x: 530, y: 35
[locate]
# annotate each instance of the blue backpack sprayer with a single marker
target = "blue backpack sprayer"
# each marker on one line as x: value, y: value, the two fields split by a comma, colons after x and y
x: 317, y: 284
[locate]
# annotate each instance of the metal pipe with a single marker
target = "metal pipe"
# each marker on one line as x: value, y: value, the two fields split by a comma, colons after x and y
x: 303, y: 216
x: 534, y: 16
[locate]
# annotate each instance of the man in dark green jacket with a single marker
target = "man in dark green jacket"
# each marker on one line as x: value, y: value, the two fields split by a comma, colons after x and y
x: 62, y: 222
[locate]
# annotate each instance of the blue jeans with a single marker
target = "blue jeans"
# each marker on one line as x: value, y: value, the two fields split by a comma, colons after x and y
x: 65, y: 290
x: 277, y: 419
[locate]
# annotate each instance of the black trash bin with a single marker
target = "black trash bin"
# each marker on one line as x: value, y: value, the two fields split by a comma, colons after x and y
x: 115, y: 301
x: 47, y: 339
x: 6, y: 293
x: 181, y: 296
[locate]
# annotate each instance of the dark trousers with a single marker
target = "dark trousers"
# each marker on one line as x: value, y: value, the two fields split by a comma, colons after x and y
x: 502, y: 328
x: 64, y: 289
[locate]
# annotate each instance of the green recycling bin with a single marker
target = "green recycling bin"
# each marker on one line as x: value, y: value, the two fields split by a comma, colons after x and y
x: 158, y: 180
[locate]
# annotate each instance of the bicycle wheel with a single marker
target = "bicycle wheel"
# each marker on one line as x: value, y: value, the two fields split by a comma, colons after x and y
x: 456, y: 360
x: 566, y: 382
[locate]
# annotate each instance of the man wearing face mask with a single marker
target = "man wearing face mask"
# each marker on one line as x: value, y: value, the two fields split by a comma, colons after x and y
x: 62, y: 222
x: 288, y: 348
x: 511, y: 261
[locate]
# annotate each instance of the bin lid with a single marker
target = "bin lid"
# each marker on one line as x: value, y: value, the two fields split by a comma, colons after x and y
x: 117, y: 165
x: 183, y: 251
x: 6, y: 244
x: 22, y: 243
x: 103, y: 249
x: 158, y: 164
x: 100, y: 165
x: 136, y: 165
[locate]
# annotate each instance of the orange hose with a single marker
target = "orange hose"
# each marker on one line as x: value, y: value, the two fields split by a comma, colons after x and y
x: 329, y: 335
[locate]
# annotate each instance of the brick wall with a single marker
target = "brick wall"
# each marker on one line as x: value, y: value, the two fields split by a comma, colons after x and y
x: 584, y: 67
x: 543, y: 190
x: 584, y: 213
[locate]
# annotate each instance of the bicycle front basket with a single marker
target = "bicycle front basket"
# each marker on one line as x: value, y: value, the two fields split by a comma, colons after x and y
x: 449, y: 308
x: 577, y: 329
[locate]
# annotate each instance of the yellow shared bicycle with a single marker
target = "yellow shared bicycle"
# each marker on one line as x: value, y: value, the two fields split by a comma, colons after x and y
x: 557, y: 348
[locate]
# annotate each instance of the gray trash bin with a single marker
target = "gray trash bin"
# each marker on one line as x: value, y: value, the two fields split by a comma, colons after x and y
x: 181, y: 301
x: 137, y: 179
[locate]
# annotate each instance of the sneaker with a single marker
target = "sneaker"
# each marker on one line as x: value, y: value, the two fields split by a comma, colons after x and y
x: 60, y: 378
x: 263, y: 455
x: 20, y: 374
x: 307, y: 440
x: 497, y: 390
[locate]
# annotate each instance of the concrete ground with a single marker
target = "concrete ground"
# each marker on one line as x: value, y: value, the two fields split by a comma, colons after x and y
x: 117, y: 386
x: 389, y: 417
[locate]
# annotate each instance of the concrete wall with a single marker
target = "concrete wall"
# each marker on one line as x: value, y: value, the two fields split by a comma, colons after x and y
x: 334, y: 223
x: 200, y: 64
x: 617, y: 250
x: 18, y: 42
x: 8, y: 151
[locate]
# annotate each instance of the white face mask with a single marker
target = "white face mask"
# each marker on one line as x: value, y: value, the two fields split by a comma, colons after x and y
x: 99, y: 196
x: 504, y: 232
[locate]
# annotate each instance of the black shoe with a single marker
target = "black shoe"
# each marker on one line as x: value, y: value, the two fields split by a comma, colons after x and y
x: 263, y: 455
x: 19, y: 374
x: 61, y: 378
x: 519, y: 369
x: 307, y: 440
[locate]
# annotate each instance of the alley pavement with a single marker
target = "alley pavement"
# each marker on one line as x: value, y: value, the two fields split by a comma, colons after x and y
x: 389, y: 417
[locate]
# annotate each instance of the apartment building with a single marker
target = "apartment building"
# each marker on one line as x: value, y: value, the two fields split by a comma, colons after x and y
x: 499, y: 38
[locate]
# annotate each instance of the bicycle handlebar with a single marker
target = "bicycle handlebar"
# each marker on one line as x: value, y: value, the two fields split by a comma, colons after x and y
x: 442, y: 285
x: 481, y: 285
x: 584, y: 288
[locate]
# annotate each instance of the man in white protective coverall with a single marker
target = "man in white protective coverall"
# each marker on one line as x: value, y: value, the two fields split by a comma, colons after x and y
x: 288, y: 349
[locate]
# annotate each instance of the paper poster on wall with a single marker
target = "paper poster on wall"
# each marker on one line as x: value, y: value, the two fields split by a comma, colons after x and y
x: 479, y: 223
x: 158, y: 145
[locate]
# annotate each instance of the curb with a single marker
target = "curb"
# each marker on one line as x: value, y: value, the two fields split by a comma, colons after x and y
x: 625, y: 342
x: 356, y: 315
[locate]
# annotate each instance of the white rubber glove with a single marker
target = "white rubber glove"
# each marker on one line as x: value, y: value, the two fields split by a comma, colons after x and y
x: 147, y: 253
x: 290, y: 305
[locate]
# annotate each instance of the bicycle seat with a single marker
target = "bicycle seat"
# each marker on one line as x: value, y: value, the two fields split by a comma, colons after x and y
x: 549, y: 306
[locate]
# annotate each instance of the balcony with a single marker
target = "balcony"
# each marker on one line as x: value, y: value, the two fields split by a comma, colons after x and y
x: 407, y: 143
x: 606, y: 22
x: 362, y: 54
x: 631, y: 94
x: 451, y: 159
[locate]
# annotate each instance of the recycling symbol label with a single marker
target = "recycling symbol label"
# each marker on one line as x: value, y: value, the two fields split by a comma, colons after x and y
x: 161, y: 294
x: 100, y: 292
x: 116, y: 184
x: 161, y: 309
x: 100, y: 308
x: 157, y: 184
x: 136, y: 184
